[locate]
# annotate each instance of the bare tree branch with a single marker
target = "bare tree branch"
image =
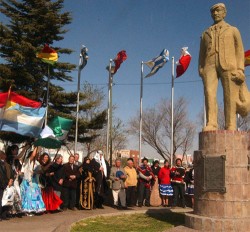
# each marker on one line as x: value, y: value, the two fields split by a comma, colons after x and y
x: 156, y: 127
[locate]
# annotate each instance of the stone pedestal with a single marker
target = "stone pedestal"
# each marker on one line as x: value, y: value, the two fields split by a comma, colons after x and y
x: 225, y: 207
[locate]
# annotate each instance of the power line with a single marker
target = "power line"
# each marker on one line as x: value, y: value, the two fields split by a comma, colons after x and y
x: 137, y: 84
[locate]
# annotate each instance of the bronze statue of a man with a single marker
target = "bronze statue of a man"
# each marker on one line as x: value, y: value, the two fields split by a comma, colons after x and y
x: 222, y: 56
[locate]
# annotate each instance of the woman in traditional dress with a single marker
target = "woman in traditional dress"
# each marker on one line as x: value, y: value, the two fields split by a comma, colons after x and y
x: 87, y: 187
x: 166, y: 189
x: 51, y: 200
x: 155, y: 199
x: 13, y: 159
x: 31, y: 195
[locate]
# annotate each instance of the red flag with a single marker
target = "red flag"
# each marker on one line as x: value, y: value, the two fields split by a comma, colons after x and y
x: 121, y: 56
x: 247, y: 58
x: 183, y: 62
x: 19, y: 99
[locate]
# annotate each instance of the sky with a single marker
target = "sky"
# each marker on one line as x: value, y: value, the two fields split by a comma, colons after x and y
x: 144, y: 28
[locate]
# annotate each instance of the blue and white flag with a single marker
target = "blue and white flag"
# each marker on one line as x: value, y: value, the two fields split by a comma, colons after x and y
x: 83, y: 57
x: 158, y: 62
x: 23, y: 120
x: 21, y: 115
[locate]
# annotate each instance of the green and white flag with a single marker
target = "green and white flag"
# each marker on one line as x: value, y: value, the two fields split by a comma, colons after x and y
x: 60, y: 127
x: 54, y: 133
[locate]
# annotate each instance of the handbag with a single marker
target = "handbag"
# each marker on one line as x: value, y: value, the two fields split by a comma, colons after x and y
x: 8, y: 196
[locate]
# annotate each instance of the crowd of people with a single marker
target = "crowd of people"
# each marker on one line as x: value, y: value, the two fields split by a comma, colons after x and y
x: 31, y: 183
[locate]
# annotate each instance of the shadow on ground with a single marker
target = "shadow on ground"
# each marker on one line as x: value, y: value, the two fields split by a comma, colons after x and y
x: 176, y: 219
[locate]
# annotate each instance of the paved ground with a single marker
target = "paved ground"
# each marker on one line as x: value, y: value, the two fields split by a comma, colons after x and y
x: 61, y: 222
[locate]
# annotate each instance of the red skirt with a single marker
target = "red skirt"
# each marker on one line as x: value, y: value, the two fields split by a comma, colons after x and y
x: 50, y: 199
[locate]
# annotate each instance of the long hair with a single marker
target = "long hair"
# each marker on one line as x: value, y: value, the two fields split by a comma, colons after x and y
x: 9, y: 155
x: 42, y: 157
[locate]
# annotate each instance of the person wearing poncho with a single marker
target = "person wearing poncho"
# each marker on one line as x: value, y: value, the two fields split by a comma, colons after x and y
x: 145, y: 177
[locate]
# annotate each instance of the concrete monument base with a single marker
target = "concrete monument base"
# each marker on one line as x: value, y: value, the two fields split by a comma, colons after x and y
x: 222, y: 182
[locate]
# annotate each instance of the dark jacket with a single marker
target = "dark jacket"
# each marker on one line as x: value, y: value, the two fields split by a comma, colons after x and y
x: 101, y: 186
x: 67, y: 182
x: 155, y: 170
x: 5, y: 174
x: 58, y: 174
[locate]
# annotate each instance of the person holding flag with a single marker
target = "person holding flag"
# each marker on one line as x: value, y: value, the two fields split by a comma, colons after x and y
x: 32, y: 201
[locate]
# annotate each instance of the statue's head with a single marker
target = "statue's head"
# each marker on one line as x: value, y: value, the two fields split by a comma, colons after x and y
x: 218, y: 12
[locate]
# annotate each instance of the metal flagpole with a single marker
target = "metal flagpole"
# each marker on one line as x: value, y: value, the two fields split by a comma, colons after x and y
x: 47, y: 97
x: 172, y: 116
x: 82, y: 64
x: 141, y: 95
x: 77, y: 104
x: 110, y: 120
x: 109, y: 111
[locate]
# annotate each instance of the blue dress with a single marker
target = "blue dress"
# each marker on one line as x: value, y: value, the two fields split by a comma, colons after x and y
x: 30, y: 191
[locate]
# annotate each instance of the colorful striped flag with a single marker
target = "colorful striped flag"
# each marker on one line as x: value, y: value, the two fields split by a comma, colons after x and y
x: 21, y: 115
x: 183, y: 62
x: 158, y: 62
x: 48, y: 55
x: 247, y: 58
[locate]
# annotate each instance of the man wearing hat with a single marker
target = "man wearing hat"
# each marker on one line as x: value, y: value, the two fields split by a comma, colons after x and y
x: 221, y: 56
x: 118, y: 177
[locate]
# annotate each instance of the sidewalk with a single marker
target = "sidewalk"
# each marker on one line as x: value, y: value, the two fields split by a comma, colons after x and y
x: 61, y: 222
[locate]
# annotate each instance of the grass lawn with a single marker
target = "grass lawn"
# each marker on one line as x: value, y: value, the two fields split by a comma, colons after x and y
x: 148, y: 222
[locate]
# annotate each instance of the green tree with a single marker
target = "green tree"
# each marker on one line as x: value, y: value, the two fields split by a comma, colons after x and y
x: 28, y: 26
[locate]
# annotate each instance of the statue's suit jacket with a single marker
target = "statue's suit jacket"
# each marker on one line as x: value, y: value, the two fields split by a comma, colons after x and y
x: 230, y: 48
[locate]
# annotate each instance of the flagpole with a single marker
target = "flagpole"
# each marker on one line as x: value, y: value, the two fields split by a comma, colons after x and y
x: 141, y: 96
x: 77, y: 104
x: 47, y: 97
x: 172, y: 116
x: 8, y: 97
x: 110, y: 120
x: 109, y: 112
x: 204, y: 113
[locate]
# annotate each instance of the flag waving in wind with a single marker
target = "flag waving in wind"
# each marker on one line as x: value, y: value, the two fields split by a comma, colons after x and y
x: 21, y: 115
x: 54, y: 133
x: 48, y: 55
x: 183, y: 62
x: 121, y: 56
x: 247, y: 58
x: 158, y: 62
x: 83, y: 57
